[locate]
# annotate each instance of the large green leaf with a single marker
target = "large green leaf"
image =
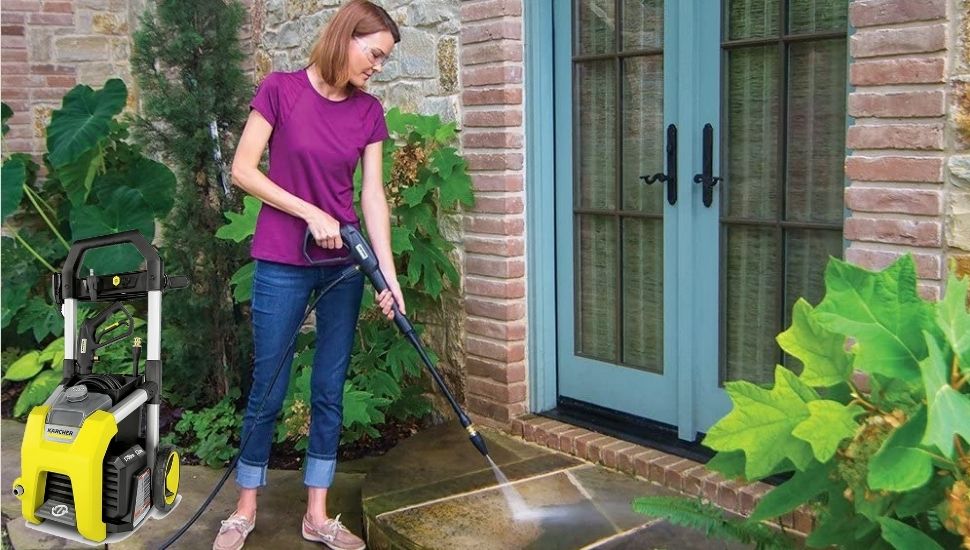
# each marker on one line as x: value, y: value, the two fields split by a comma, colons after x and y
x: 761, y: 423
x: 801, y: 488
x: 40, y: 318
x: 882, y: 312
x: 122, y: 210
x: 25, y: 368
x: 821, y: 351
x: 37, y: 391
x: 900, y: 465
x: 827, y: 425
x: 241, y: 226
x: 242, y: 283
x: 83, y: 120
x: 906, y: 537
x: 77, y: 177
x: 13, y: 174
x: 949, y: 410
x: 152, y: 180
x: 54, y: 353
x: 954, y: 319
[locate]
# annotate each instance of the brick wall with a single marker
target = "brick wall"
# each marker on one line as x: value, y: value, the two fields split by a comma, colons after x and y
x: 492, y: 141
x: 957, y: 187
x: 48, y: 47
x: 899, y: 139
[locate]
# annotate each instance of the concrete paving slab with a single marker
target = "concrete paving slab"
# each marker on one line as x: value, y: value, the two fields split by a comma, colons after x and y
x: 281, y: 506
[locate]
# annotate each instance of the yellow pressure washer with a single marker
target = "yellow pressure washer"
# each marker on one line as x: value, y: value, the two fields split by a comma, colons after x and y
x: 92, y: 469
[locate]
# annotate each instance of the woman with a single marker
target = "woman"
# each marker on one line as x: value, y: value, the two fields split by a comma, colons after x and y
x: 319, y: 124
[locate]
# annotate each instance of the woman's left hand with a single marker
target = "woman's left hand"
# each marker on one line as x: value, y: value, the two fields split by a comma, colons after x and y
x: 386, y: 298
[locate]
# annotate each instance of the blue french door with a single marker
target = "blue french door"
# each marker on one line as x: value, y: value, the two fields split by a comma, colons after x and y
x: 672, y: 276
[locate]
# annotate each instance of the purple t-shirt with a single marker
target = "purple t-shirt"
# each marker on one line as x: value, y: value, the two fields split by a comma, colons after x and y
x: 314, y: 149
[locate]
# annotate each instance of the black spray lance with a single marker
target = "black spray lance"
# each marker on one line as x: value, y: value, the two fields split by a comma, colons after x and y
x: 366, y: 261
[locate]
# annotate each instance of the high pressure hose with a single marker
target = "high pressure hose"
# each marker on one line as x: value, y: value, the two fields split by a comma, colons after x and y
x: 366, y: 262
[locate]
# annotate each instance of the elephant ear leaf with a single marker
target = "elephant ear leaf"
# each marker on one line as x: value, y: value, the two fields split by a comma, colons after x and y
x: 83, y: 120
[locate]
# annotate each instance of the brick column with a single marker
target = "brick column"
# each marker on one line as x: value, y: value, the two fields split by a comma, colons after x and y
x: 895, y: 170
x: 492, y: 139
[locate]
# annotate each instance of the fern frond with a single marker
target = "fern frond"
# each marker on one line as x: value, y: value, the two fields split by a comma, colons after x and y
x: 702, y: 516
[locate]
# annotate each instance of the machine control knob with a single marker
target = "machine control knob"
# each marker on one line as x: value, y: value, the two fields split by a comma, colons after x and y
x: 76, y: 393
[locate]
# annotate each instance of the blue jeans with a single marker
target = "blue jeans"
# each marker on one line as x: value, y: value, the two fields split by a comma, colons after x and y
x: 280, y: 296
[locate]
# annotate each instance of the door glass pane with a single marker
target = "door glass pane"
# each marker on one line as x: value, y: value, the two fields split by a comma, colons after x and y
x: 816, y: 132
x: 643, y: 297
x: 753, y: 107
x: 752, y: 18
x: 643, y: 27
x: 807, y: 252
x: 595, y: 131
x: 805, y: 16
x: 596, y: 287
x: 643, y: 133
x: 595, y: 26
x: 753, y: 289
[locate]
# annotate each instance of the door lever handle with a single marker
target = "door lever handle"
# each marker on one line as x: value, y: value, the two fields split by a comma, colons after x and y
x: 707, y: 177
x: 670, y: 178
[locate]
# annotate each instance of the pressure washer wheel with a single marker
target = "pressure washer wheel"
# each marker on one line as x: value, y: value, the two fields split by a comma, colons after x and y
x: 165, y: 478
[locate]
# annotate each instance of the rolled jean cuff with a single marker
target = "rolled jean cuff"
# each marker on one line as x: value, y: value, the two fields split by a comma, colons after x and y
x: 319, y: 472
x: 249, y: 476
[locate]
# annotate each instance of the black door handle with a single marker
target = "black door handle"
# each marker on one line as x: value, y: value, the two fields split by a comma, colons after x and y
x: 707, y: 177
x: 671, y: 177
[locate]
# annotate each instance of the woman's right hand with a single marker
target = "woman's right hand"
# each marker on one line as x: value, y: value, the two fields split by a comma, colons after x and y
x: 325, y: 229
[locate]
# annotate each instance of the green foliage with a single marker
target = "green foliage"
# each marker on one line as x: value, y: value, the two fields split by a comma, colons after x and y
x: 187, y: 60
x: 96, y: 183
x: 210, y: 433
x: 425, y: 178
x: 879, y: 466
x: 710, y: 520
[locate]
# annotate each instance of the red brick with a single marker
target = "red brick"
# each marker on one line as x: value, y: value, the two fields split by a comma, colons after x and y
x: 927, y: 202
x: 500, y: 412
x: 58, y: 7
x: 497, y: 161
x: 907, y: 232
x: 610, y: 454
x: 517, y: 425
x: 15, y: 68
x: 61, y: 81
x: 895, y: 41
x: 804, y: 520
x: 692, y: 480
x: 928, y: 266
x: 18, y: 145
x: 581, y: 443
x: 497, y: 330
x: 493, y: 119
x: 10, y: 18
x: 895, y: 136
x: 676, y: 477
x: 897, y: 71
x: 495, y: 288
x: 474, y: 11
x: 891, y: 168
x: 868, y: 13
x: 48, y: 69
x: 750, y: 495
x: 539, y: 426
x: 508, y: 352
x: 492, y: 76
x: 14, y: 56
x: 929, y: 291
x: 14, y: 93
x: 492, y: 140
x: 19, y: 5
x: 502, y: 393
x: 504, y: 373
x: 897, y: 104
x: 710, y: 484
x: 12, y: 30
x: 507, y: 204
x: 658, y: 468
x: 507, y: 310
x: 643, y: 460
x: 497, y: 182
x: 624, y: 459
x: 596, y: 447
x: 727, y: 495
x: 13, y: 42
x: 494, y: 225
x: 494, y: 266
x: 491, y: 52
x: 553, y: 435
x: 51, y: 19
x: 491, y: 30
x: 567, y: 440
x: 496, y: 246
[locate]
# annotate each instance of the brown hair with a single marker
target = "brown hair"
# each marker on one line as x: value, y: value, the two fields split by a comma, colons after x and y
x: 355, y: 18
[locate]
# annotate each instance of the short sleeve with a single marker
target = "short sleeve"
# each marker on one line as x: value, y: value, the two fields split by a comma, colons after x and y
x: 379, y: 125
x: 267, y: 99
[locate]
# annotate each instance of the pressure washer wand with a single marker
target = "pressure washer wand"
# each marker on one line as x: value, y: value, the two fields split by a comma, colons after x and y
x: 366, y: 260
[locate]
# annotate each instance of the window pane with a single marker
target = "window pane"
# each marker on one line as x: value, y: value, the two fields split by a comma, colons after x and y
x: 753, y: 289
x: 807, y: 253
x: 596, y: 22
x: 643, y: 297
x: 816, y: 132
x: 643, y: 133
x: 643, y: 24
x: 752, y: 18
x: 596, y: 286
x: 805, y: 16
x: 752, y: 186
x: 596, y: 133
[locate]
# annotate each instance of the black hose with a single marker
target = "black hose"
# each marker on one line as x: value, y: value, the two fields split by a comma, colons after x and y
x: 232, y: 465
